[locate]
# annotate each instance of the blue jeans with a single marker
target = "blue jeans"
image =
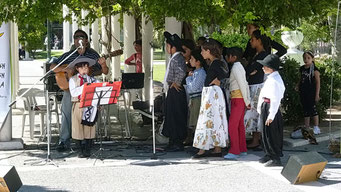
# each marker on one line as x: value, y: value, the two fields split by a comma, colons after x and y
x: 65, y: 130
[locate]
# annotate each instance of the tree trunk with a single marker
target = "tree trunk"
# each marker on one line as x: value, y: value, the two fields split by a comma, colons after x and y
x: 187, y: 31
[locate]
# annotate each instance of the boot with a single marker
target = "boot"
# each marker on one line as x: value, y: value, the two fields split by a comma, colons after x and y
x: 81, y: 147
x: 87, y: 151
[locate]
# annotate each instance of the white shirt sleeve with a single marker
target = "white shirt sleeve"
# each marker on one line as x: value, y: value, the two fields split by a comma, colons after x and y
x: 75, y: 91
x: 275, y: 100
x: 239, y: 74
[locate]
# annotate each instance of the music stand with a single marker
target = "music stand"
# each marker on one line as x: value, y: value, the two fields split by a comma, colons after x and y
x: 99, y: 94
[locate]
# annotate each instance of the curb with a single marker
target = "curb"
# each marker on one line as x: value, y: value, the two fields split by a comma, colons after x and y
x: 289, y: 142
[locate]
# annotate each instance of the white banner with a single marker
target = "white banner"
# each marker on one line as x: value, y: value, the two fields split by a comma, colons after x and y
x: 5, y: 71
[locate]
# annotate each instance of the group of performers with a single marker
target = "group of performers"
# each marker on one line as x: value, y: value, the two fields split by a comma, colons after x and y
x: 214, y: 95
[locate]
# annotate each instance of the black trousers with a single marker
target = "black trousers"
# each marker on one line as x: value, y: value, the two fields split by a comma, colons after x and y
x: 175, y: 125
x: 272, y: 135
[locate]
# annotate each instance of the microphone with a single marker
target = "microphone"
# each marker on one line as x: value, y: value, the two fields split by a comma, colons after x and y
x: 80, y: 43
x: 85, y: 80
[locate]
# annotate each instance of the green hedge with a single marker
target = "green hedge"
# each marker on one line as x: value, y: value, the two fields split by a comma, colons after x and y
x: 231, y: 40
x: 292, y: 108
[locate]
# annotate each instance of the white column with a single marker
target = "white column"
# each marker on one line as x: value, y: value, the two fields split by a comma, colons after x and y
x: 147, y: 37
x: 129, y: 38
x: 85, y: 27
x: 66, y: 30
x: 15, y: 59
x: 94, y: 36
x: 115, y: 32
x: 105, y: 39
x: 172, y: 26
x: 74, y: 23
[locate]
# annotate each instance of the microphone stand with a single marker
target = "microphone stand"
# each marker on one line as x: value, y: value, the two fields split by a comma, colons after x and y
x: 48, y: 126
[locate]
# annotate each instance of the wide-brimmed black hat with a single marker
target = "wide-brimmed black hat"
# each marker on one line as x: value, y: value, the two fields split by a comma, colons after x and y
x: 173, y: 40
x: 82, y: 59
x: 272, y: 61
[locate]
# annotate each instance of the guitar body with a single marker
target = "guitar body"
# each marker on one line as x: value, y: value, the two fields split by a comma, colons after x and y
x: 62, y: 77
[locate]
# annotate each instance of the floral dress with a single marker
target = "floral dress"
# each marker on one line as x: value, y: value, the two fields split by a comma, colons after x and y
x: 211, y: 130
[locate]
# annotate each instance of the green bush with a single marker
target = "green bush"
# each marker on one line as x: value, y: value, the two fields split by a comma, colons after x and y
x: 291, y: 105
x: 231, y: 40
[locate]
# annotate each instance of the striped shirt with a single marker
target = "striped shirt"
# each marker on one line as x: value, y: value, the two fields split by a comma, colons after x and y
x: 195, y: 83
x: 90, y: 53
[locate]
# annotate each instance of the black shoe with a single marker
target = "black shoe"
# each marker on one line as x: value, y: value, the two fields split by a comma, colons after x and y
x: 81, y: 154
x: 273, y: 163
x: 198, y: 156
x: 215, y: 154
x: 175, y: 148
x: 264, y: 159
x: 61, y: 147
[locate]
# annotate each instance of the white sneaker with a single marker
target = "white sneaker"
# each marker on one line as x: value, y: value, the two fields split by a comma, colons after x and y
x: 297, y: 134
x: 317, y: 130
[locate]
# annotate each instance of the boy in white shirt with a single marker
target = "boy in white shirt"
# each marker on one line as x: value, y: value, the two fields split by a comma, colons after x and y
x: 83, y: 119
x: 271, y: 121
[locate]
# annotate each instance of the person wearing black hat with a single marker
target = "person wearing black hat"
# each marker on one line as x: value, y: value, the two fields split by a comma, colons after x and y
x: 175, y: 124
x: 271, y: 121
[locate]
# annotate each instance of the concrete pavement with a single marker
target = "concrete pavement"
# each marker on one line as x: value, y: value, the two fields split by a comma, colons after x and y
x: 127, y: 164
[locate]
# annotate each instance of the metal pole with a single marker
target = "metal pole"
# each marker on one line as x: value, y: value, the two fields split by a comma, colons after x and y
x: 48, y: 48
x: 332, y: 78
x: 151, y: 101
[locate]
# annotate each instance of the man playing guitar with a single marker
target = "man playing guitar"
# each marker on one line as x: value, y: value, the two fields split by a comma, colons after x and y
x: 80, y: 42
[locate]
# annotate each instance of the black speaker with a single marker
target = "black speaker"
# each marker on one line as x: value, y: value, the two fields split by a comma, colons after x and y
x: 304, y: 167
x: 132, y: 80
x: 9, y: 179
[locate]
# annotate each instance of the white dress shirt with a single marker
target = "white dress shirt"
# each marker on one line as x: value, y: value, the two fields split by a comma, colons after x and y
x: 273, y: 89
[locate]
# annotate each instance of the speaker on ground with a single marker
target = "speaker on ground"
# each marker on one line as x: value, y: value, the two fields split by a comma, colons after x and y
x: 304, y: 167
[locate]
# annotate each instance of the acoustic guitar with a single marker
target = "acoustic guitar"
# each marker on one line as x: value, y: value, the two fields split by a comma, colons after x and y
x: 62, y: 77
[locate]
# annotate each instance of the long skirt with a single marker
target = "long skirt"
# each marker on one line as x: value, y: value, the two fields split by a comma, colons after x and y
x: 79, y: 131
x: 251, y: 116
x: 212, y: 126
x: 175, y: 124
x: 272, y: 135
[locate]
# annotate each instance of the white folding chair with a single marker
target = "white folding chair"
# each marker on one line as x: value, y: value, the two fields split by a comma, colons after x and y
x: 31, y: 108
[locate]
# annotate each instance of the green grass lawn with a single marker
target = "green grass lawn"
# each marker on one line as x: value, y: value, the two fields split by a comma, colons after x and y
x: 159, y: 70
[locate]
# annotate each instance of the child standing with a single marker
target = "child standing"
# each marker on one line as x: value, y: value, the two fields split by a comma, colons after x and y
x: 175, y: 124
x: 271, y: 121
x: 309, y: 89
x: 83, y: 119
x: 194, y: 84
x: 211, y: 130
x: 240, y: 98
x: 136, y: 58
x: 255, y: 78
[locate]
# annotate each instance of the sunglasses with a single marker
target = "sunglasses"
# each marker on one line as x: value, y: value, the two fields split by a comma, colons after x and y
x: 79, y: 37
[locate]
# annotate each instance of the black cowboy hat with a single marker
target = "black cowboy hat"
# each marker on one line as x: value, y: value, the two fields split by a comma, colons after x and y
x: 272, y: 61
x: 173, y: 40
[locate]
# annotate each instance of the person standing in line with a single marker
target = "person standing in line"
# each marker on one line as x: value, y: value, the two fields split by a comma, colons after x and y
x: 250, y: 52
x: 255, y: 78
x: 309, y: 89
x: 99, y: 68
x: 175, y: 124
x: 271, y: 120
x: 194, y: 84
x: 212, y: 126
x: 240, y: 99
